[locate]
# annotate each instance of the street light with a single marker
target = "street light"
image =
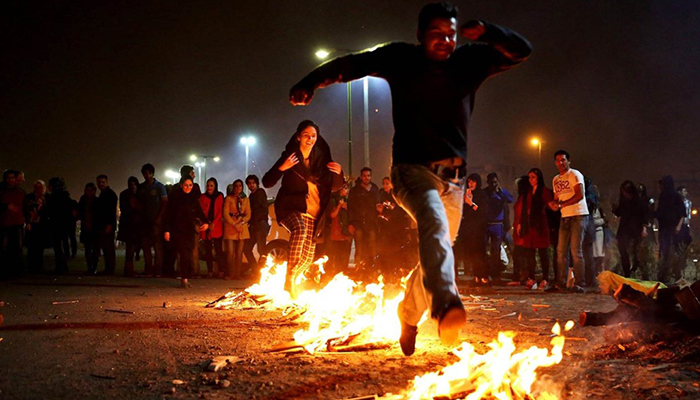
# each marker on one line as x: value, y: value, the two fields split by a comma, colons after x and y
x: 247, y: 141
x: 536, y: 142
x: 322, y: 54
x: 174, y: 176
x: 203, y: 164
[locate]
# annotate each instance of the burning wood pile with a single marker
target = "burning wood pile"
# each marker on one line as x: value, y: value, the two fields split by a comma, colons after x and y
x: 342, y: 316
x: 648, y: 302
x: 346, y: 316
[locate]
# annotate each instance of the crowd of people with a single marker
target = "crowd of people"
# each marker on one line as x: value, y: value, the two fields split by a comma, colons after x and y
x: 570, y: 220
x: 165, y: 223
x: 562, y: 232
x: 174, y: 226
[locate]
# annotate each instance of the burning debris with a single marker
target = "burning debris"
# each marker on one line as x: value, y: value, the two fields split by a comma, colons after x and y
x: 346, y: 316
x: 342, y: 316
x: 647, y: 302
x: 500, y: 373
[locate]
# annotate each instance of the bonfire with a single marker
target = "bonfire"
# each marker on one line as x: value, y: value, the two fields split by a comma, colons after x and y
x: 347, y: 315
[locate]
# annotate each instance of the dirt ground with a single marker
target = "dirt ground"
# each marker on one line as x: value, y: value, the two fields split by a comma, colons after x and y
x: 80, y: 349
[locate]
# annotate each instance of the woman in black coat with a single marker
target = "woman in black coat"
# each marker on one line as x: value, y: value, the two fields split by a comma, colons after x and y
x: 632, y: 212
x: 473, y: 228
x: 183, y: 222
x: 309, y: 175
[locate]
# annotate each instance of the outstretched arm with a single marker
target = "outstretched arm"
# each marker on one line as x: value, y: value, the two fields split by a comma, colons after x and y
x: 343, y: 69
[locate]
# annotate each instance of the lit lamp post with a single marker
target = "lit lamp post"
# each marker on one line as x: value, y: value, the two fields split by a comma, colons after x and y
x: 538, y: 143
x: 247, y: 141
x: 203, y: 164
x: 322, y: 54
x: 172, y: 175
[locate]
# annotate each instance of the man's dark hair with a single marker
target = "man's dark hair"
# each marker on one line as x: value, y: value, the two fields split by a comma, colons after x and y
x: 491, y: 176
x: 680, y: 188
x: 90, y: 185
x: 562, y: 153
x: 148, y: 167
x: 185, y: 170
x: 132, y: 179
x: 102, y: 176
x: 6, y: 173
x: 386, y: 178
x: 433, y: 11
x: 253, y: 178
x: 366, y: 169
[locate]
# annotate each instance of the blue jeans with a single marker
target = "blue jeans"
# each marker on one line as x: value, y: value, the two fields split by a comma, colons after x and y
x: 571, y: 235
x: 436, y: 206
x: 494, y: 237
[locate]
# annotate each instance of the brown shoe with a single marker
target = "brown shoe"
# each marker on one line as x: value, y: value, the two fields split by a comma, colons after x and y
x: 408, y: 338
x: 449, y: 324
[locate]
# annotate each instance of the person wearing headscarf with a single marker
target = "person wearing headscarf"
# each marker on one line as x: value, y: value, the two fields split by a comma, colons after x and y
x: 308, y: 175
x: 212, y: 202
x: 236, y: 217
x: 184, y: 220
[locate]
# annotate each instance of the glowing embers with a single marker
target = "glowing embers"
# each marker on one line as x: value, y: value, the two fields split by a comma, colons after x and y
x: 501, y: 373
x: 343, y: 315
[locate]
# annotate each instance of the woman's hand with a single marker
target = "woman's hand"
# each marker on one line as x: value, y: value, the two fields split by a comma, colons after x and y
x: 335, y: 167
x: 291, y: 161
x: 167, y: 236
x: 204, y: 227
x: 468, y: 196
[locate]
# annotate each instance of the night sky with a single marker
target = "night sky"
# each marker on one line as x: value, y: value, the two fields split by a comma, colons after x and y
x: 97, y: 87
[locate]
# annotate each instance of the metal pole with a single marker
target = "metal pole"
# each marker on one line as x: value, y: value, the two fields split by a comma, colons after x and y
x: 245, y: 187
x: 204, y: 177
x: 365, y: 87
x: 539, y: 155
x: 349, y: 129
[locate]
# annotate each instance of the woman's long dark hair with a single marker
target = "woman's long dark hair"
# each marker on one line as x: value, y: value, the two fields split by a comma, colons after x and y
x: 318, y: 158
x: 537, y: 207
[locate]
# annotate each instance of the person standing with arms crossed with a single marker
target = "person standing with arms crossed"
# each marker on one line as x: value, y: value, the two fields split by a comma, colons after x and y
x: 433, y: 86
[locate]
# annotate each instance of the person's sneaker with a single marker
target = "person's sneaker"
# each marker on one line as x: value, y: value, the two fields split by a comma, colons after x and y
x: 551, y: 288
x: 408, y: 338
x: 576, y: 289
x: 449, y: 324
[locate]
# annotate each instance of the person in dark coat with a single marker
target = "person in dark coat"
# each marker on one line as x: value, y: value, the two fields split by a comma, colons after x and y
x: 670, y: 213
x: 533, y: 226
x: 183, y: 222
x: 259, y: 225
x: 106, y: 222
x: 473, y: 229
x: 36, y: 230
x: 632, y: 211
x: 363, y: 202
x: 212, y: 202
x: 59, y: 215
x: 130, y: 222
x: 309, y: 175
x: 89, y: 230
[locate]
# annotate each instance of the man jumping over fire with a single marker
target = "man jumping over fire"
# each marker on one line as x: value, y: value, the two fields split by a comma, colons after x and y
x: 433, y: 85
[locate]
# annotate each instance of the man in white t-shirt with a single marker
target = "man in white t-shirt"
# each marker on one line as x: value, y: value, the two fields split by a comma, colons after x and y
x: 570, y: 199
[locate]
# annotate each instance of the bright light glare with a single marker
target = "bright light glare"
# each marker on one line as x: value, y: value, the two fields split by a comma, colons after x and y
x: 170, y: 174
x: 217, y: 159
x: 694, y: 212
x: 197, y: 164
x: 535, y: 142
x: 193, y: 158
x: 248, y: 140
x: 322, y: 54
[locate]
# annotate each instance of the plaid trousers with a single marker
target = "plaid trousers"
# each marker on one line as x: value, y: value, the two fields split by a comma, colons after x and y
x: 301, y: 245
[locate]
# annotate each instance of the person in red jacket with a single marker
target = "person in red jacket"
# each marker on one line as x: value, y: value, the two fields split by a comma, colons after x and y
x: 531, y: 225
x: 212, y: 202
